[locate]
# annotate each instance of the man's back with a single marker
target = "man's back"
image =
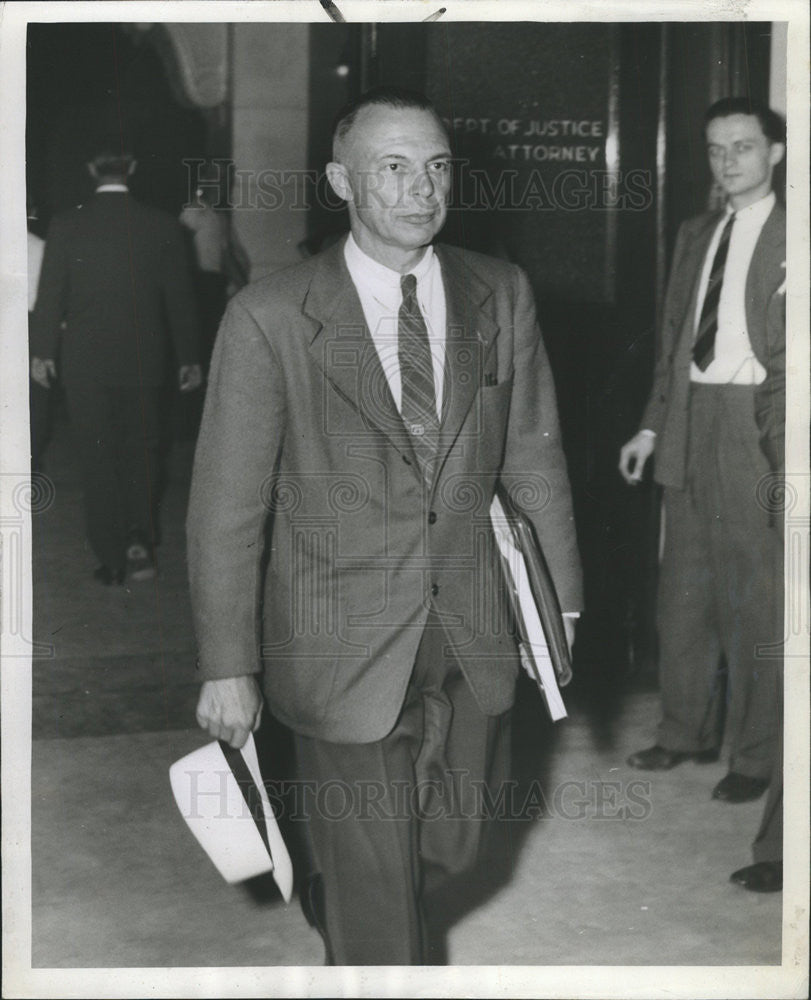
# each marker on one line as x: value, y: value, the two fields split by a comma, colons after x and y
x: 116, y: 270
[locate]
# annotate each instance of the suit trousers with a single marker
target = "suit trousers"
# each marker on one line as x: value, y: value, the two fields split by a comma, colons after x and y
x: 768, y: 844
x: 116, y: 430
x: 395, y: 819
x: 721, y: 590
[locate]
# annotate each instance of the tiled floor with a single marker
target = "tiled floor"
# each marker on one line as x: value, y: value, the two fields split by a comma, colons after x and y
x: 118, y: 881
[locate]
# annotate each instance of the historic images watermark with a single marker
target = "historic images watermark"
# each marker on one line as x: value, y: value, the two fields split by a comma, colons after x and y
x: 475, y: 189
x: 458, y: 797
x: 27, y: 495
x: 779, y: 495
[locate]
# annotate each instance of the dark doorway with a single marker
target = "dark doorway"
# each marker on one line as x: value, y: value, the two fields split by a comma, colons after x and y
x: 91, y: 83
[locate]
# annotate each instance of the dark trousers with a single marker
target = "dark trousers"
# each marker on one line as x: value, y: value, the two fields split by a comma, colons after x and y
x: 40, y: 408
x: 391, y: 821
x: 721, y: 590
x: 40, y: 402
x: 768, y: 845
x: 116, y: 433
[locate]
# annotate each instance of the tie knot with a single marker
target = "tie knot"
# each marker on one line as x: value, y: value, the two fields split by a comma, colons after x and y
x: 408, y: 285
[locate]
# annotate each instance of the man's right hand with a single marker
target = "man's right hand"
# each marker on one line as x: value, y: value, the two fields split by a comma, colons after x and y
x: 230, y: 708
x: 42, y: 371
x: 634, y: 456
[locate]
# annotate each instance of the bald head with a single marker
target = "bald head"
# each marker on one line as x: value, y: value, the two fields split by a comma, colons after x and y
x: 392, y: 98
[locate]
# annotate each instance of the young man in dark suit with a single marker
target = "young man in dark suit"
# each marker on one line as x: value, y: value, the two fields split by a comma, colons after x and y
x: 715, y: 423
x: 362, y: 406
x: 116, y: 272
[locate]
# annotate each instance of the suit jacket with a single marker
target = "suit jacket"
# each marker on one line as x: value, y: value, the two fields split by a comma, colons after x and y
x: 302, y: 451
x: 667, y: 411
x: 117, y: 272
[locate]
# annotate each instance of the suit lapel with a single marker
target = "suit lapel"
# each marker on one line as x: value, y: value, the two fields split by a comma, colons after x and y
x: 696, y: 265
x: 690, y: 269
x: 343, y: 349
x: 766, y: 272
x: 470, y: 333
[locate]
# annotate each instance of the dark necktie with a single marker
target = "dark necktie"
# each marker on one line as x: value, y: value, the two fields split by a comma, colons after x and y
x: 704, y: 346
x: 418, y: 406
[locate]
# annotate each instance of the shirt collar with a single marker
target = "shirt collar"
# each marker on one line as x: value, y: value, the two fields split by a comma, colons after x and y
x: 107, y: 188
x: 375, y: 274
x: 754, y: 214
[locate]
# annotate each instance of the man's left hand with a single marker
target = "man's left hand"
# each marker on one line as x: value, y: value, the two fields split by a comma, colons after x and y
x: 190, y: 377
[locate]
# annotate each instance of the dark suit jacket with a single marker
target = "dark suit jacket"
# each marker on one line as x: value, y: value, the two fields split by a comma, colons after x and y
x: 300, y: 431
x: 117, y: 271
x: 668, y: 406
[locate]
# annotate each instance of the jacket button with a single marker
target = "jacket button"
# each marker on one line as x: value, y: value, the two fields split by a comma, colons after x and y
x: 432, y: 517
x: 434, y: 589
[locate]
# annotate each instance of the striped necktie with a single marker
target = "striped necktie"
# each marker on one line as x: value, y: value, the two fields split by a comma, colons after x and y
x: 418, y: 405
x: 704, y: 346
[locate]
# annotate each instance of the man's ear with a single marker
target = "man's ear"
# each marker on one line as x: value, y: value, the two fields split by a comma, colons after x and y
x: 338, y: 178
x: 777, y: 151
x: 132, y: 167
x: 91, y: 169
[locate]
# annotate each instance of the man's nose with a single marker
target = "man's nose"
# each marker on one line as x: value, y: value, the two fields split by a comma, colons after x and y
x: 424, y: 186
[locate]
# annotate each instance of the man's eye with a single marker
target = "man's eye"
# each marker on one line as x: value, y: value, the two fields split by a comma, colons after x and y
x: 441, y: 166
x: 393, y: 167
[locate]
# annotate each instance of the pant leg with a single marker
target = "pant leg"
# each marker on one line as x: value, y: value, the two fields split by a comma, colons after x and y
x: 40, y: 408
x: 139, y: 456
x: 748, y: 571
x: 95, y: 433
x: 768, y: 844
x: 364, y: 839
x: 40, y: 411
x: 690, y: 682
x: 416, y: 808
x: 463, y: 765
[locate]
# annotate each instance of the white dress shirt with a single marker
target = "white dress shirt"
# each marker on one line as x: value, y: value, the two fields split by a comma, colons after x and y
x: 734, y: 360
x: 380, y: 296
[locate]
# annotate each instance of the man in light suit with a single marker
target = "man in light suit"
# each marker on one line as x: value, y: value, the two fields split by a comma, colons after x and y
x: 715, y: 422
x: 116, y: 272
x: 361, y: 407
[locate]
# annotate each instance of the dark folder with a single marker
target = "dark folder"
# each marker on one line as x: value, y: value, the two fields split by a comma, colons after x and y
x: 534, y: 601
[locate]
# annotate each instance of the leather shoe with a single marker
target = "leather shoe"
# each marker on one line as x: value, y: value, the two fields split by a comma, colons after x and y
x: 107, y: 576
x: 658, y: 758
x: 764, y: 876
x: 735, y: 787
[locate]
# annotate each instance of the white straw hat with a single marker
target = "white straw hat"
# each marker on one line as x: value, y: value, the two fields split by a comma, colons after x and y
x: 220, y: 794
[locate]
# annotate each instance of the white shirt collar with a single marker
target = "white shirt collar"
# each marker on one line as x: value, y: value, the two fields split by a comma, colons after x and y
x: 754, y: 214
x: 381, y: 278
x: 105, y: 188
